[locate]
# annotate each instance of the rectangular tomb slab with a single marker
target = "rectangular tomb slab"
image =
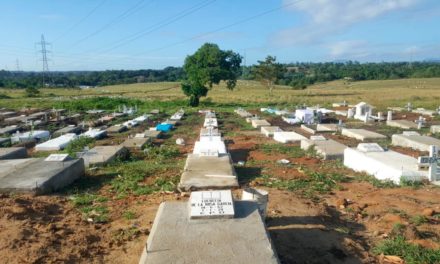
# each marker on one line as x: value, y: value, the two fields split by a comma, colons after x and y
x: 435, y: 129
x: 361, y: 134
x: 257, y: 123
x: 13, y: 153
x: 287, y: 137
x: 207, y: 172
x: 152, y: 133
x: 405, y: 124
x: 136, y: 143
x: 38, y: 176
x: 66, y: 130
x: 414, y: 141
x: 384, y: 165
x: 116, y: 129
x: 242, y: 239
x: 5, y: 141
x: 9, y: 129
x: 101, y: 155
x: 328, y: 149
x: 211, y: 204
x: 269, y: 130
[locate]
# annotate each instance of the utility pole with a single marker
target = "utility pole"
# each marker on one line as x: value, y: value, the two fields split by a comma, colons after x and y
x: 43, y: 50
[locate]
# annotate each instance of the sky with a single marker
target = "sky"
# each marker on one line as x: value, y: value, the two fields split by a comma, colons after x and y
x: 153, y: 34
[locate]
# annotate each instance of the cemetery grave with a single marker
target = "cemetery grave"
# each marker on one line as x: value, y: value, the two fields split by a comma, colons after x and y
x: 361, y: 134
x: 414, y: 140
x: 13, y: 153
x: 328, y: 149
x: 296, y: 227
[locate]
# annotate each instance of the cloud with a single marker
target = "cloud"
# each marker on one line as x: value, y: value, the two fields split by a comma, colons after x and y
x: 352, y: 49
x: 326, y: 17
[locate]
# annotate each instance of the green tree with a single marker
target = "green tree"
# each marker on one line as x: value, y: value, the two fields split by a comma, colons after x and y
x: 32, y: 92
x: 268, y: 72
x: 209, y: 65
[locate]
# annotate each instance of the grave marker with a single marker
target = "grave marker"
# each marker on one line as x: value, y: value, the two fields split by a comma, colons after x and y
x: 57, y: 157
x: 430, y: 161
x: 211, y: 204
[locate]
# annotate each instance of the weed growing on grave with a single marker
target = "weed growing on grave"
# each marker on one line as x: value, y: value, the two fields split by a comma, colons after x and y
x: 92, y: 207
x: 289, y: 151
x: 129, y: 215
x: 376, y: 182
x: 316, y: 183
x: 419, y: 219
x: 410, y: 183
x: 77, y: 145
x: 398, y: 212
x: 162, y: 153
x: 411, y: 253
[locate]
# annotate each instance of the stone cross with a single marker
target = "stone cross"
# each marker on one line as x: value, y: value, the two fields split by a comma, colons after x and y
x: 431, y: 161
x: 420, y: 122
x: 409, y: 107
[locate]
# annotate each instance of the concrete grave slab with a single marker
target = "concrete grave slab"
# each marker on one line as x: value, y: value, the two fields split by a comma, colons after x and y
x: 435, y: 129
x: 38, y: 176
x: 206, y: 146
x: 417, y: 142
x: 152, y: 133
x: 384, y: 165
x: 257, y: 123
x: 424, y: 111
x: 55, y: 144
x: 5, y: 141
x: 209, y: 132
x: 361, y: 134
x: 242, y: 239
x: 136, y: 143
x: 327, y: 127
x: 210, y: 122
x: 405, y: 124
x: 287, y: 137
x: 67, y: 130
x: 116, y: 129
x: 101, y: 155
x: 328, y: 149
x: 311, y: 129
x: 269, y: 130
x: 95, y: 133
x: 205, y: 172
x: 13, y: 153
x: 9, y: 129
x: 30, y: 135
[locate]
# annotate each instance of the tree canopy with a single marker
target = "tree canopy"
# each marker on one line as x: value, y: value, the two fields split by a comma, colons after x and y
x: 268, y: 72
x: 209, y: 65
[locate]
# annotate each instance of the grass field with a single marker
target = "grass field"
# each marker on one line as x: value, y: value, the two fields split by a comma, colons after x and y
x: 420, y: 92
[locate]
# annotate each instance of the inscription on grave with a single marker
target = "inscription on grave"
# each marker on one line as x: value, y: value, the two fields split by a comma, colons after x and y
x: 57, y: 157
x: 211, y: 204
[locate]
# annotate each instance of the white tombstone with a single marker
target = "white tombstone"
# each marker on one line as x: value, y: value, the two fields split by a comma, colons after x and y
x: 390, y: 116
x: 211, y: 204
x: 350, y: 113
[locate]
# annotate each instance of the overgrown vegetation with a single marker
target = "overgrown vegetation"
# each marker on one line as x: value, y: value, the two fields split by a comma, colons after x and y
x: 78, y: 145
x: 411, y: 253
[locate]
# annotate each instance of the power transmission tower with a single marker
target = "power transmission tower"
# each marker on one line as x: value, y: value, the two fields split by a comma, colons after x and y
x: 17, y: 63
x: 43, y: 50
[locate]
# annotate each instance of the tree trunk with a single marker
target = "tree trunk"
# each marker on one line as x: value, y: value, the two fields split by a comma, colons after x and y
x: 194, y: 100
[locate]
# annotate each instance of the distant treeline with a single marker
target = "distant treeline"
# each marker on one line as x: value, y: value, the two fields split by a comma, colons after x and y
x: 297, y: 75
x: 74, y: 79
x: 300, y: 75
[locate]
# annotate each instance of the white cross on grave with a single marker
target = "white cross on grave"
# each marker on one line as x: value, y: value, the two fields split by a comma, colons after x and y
x: 430, y: 161
x: 420, y: 122
x: 211, y: 204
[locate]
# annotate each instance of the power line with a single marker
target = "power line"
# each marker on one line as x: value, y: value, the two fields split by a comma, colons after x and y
x: 80, y: 21
x: 131, y: 10
x: 224, y: 27
x: 150, y: 29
